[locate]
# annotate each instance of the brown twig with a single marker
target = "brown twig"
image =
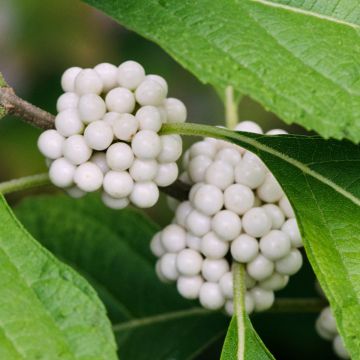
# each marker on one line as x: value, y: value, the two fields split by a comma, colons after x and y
x: 23, y: 109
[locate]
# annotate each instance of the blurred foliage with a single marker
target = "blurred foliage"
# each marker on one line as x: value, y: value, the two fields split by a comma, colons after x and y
x: 38, y: 42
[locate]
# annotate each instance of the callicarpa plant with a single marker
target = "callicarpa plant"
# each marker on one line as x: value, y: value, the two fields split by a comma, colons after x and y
x: 93, y: 277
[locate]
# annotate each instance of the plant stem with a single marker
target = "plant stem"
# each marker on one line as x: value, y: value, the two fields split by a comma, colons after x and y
x: 239, y: 305
x: 28, y: 112
x: 24, y: 183
x: 297, y: 305
x: 231, y: 115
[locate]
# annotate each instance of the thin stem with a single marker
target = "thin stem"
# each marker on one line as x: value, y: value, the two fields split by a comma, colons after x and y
x: 24, y: 183
x: 297, y: 305
x: 28, y: 112
x: 231, y: 114
x: 239, y: 305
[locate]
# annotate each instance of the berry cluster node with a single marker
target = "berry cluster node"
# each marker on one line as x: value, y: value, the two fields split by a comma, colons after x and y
x: 106, y: 135
x: 236, y: 211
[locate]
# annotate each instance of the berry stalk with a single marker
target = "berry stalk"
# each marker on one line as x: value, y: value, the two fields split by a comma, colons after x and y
x: 24, y: 183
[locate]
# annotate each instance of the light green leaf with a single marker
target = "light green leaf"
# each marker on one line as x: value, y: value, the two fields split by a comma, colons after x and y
x: 111, y: 249
x: 47, y: 311
x: 242, y: 342
x: 322, y: 180
x: 300, y: 61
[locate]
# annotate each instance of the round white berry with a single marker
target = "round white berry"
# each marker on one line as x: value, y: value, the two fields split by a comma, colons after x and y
x: 130, y: 74
x: 229, y: 307
x: 275, y: 214
x: 88, y: 81
x: 99, y: 159
x: 168, y: 267
x: 194, y: 190
x: 210, y: 296
x: 193, y: 242
x: 256, y: 222
x: 91, y: 107
x: 286, y: 207
x: 263, y: 299
x: 149, y: 118
x: 144, y: 194
x: 118, y: 184
x: 197, y: 168
x: 75, y: 192
x: 156, y: 246
x: 339, y: 348
x: 120, y: 100
x: 213, y: 269
x: 159, y: 274
x: 208, y: 199
x: 173, y: 238
x: 68, y: 78
x: 250, y: 173
x: 213, y: 247
x: 249, y: 126
x: 150, y: 92
x: 68, y: 100
x: 238, y: 198
x: 125, y: 126
x: 226, y: 285
x: 108, y: 75
x: 62, y: 172
x: 220, y: 174
x: 88, y: 177
x: 275, y: 245
x: 50, y: 144
x: 249, y: 281
x: 119, y: 156
x: 113, y: 203
x: 166, y: 174
x: 270, y: 190
x: 198, y: 223
x: 189, y: 286
x: 98, y: 135
x: 143, y: 170
x: 146, y: 144
x: 249, y: 303
x: 226, y: 224
x: 327, y: 321
x: 159, y: 79
x: 189, y: 262
x: 275, y: 282
x: 182, y: 212
x: 171, y: 148
x: 175, y: 110
x: 230, y: 155
x: 68, y: 123
x: 290, y: 228
x: 76, y: 150
x: 244, y: 248
x: 324, y: 334
x: 260, y: 268
x: 276, y: 132
x: 290, y: 264
x: 205, y: 148
x: 110, y: 117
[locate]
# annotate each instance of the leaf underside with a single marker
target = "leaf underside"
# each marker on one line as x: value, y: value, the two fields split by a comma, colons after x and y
x: 299, y: 59
x: 47, y: 311
x: 111, y: 249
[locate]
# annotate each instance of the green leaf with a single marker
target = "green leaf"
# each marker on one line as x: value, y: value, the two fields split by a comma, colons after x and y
x: 242, y: 342
x: 299, y: 60
x: 321, y: 179
x: 111, y: 249
x: 47, y: 311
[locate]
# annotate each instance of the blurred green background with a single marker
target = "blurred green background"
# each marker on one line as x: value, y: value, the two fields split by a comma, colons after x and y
x: 39, y: 40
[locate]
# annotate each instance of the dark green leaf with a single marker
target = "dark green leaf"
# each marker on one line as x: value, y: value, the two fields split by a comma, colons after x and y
x: 299, y: 59
x: 111, y: 249
x: 47, y: 311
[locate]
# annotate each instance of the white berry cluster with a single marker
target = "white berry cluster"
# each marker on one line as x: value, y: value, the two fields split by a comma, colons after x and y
x: 326, y: 327
x: 236, y: 211
x: 107, y: 138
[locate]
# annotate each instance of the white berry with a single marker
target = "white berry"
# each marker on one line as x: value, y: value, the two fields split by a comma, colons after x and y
x: 50, y: 144
x: 99, y: 159
x: 98, y: 135
x: 226, y: 224
x: 171, y: 148
x: 119, y: 156
x: 210, y: 296
x: 175, y: 110
x: 113, y: 203
x: 120, y: 100
x: 220, y: 174
x: 197, y: 168
x: 263, y: 299
x: 275, y: 214
x: 68, y: 100
x: 244, y: 248
x: 108, y: 74
x: 88, y: 177
x: 275, y: 245
x: 290, y: 228
x: 213, y: 247
x: 339, y: 348
x: 130, y: 74
x: 275, y: 282
x: 76, y: 150
x: 68, y: 123
x: 208, y: 199
x: 144, y: 194
x: 118, y: 184
x: 143, y: 170
x: 173, y: 238
x: 238, y: 198
x: 213, y: 269
x: 290, y: 264
x: 149, y: 118
x: 166, y: 174
x: 270, y: 190
x: 189, y: 262
x: 198, y: 223
x: 249, y: 126
x: 68, y: 79
x: 189, y: 286
x: 230, y: 155
x: 150, y: 92
x: 62, y: 172
x: 226, y: 285
x: 285, y: 206
x: 168, y: 267
x: 256, y: 222
x: 260, y: 268
x: 146, y: 144
x: 88, y: 81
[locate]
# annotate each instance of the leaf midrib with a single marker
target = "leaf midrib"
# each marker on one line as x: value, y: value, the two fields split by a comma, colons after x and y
x: 307, y: 12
